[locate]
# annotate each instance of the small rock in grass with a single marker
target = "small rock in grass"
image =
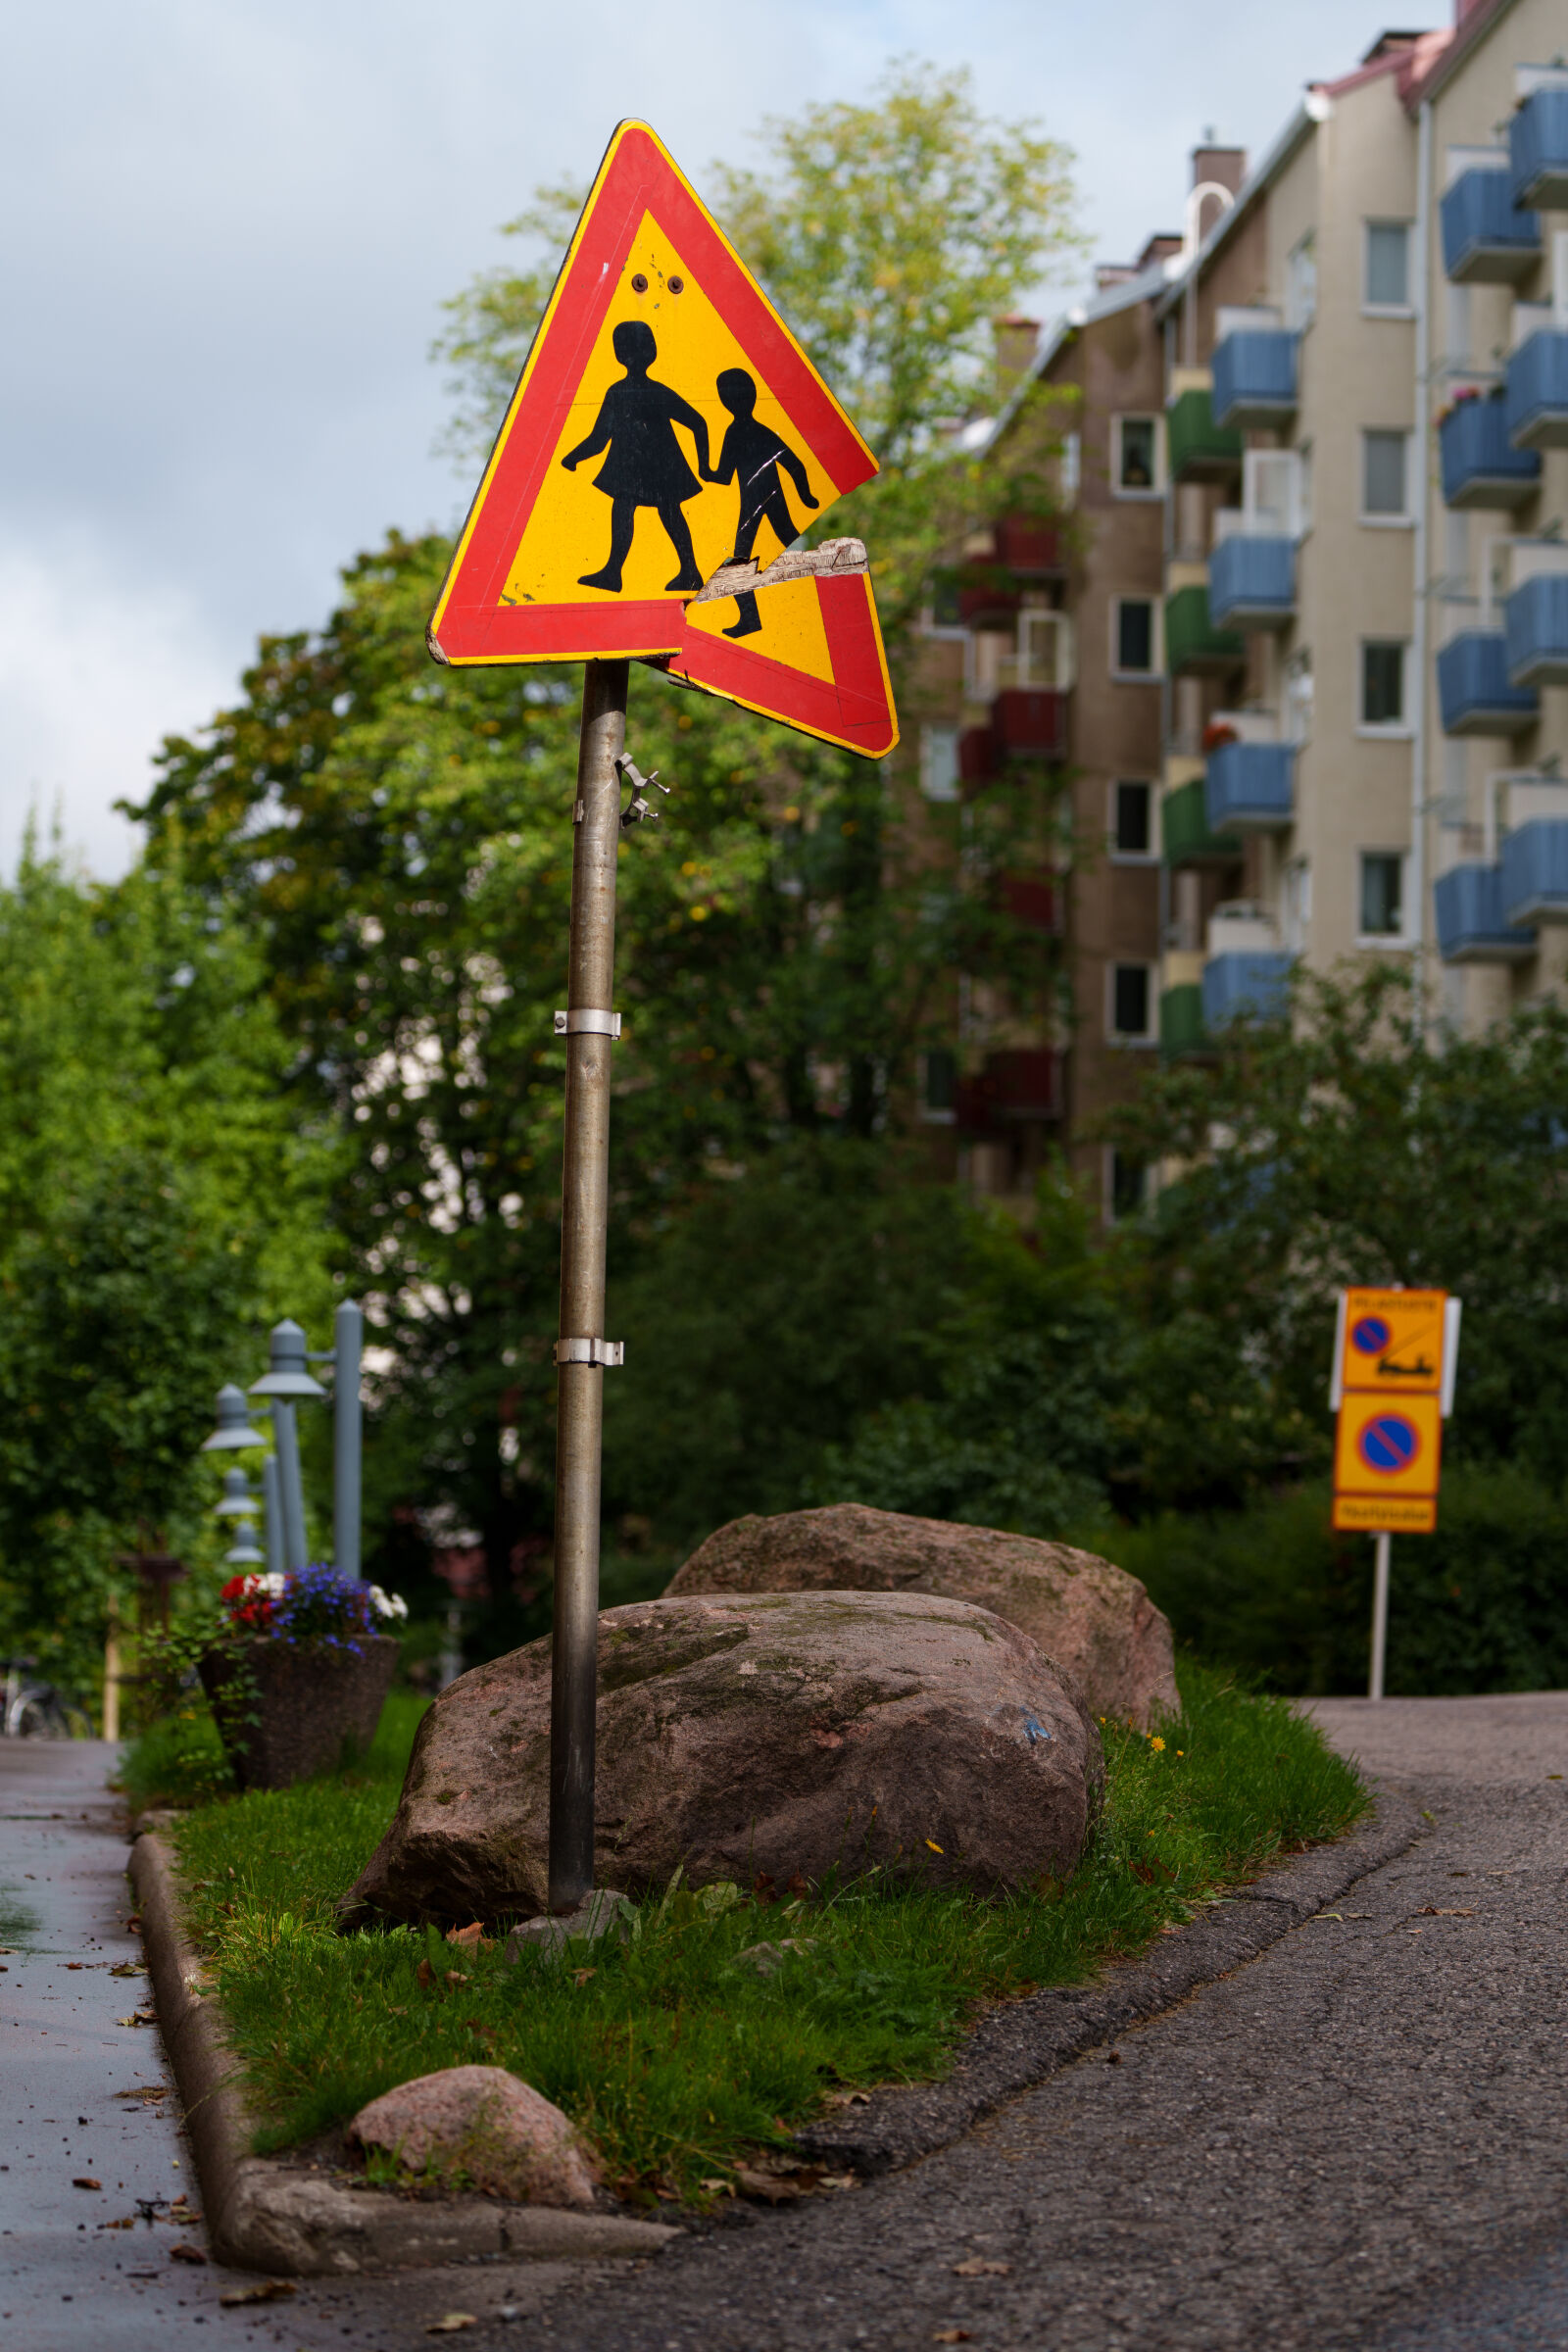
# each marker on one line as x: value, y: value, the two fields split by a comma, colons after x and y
x: 479, y: 2127
x: 768, y: 1958
x: 600, y: 1913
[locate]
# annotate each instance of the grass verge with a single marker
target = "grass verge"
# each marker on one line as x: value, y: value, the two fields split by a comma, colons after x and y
x: 671, y: 2052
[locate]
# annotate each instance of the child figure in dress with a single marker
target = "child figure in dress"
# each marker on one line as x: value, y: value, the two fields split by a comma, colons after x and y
x: 645, y: 467
x: 751, y: 456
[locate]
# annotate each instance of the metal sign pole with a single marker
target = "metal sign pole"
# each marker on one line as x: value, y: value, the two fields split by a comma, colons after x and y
x: 581, y: 1351
x: 347, y: 1345
x: 1380, y: 1615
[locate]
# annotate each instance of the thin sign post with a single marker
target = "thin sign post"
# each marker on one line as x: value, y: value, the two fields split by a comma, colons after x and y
x: 667, y: 446
x: 1395, y: 1354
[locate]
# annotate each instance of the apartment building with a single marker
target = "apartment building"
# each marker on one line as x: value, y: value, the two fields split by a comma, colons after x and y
x: 1307, y: 662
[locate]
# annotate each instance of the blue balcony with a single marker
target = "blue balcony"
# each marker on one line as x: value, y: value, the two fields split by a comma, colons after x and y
x: 1251, y: 582
x: 1474, y: 691
x: 1536, y: 631
x: 1249, y: 984
x: 1537, y: 394
x: 1471, y: 927
x: 1485, y: 239
x: 1251, y: 787
x: 1534, y: 873
x: 1255, y: 377
x: 1537, y: 151
x: 1481, y: 467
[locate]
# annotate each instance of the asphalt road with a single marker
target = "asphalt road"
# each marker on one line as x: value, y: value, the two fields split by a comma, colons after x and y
x: 1356, y: 2140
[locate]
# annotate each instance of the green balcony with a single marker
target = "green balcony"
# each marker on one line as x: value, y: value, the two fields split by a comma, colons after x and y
x: 1198, y: 450
x: 1191, y: 641
x: 1181, y: 1020
x: 1185, y: 829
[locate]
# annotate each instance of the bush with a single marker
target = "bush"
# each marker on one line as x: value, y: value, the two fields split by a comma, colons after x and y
x: 1480, y: 1606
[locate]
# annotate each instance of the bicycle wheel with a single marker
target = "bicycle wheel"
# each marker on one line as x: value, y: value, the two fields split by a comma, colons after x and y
x: 35, y: 1716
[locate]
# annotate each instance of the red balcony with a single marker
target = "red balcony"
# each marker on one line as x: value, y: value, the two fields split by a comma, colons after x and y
x: 1032, y: 900
x: 985, y: 592
x: 1018, y: 1083
x: 977, y: 756
x: 1024, y: 544
x: 1030, y: 721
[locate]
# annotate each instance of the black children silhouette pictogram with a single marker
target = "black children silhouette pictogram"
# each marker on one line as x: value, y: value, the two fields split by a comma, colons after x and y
x: 645, y: 467
x: 751, y: 456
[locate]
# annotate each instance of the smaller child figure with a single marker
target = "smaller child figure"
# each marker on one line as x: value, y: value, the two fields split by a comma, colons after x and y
x: 752, y: 454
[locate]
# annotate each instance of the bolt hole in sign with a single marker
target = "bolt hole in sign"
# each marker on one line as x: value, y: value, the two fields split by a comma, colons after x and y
x: 1394, y: 1379
x: 667, y: 423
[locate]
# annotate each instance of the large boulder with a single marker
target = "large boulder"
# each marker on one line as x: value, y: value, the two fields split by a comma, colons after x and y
x: 774, y: 1734
x: 1092, y: 1619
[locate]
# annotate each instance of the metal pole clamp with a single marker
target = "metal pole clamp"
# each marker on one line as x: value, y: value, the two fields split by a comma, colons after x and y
x: 583, y: 1022
x: 590, y: 1352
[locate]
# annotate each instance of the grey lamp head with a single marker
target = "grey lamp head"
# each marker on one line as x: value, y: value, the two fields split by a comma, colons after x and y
x: 244, y: 1553
x: 234, y: 1422
x: 286, y: 1375
x: 240, y: 1500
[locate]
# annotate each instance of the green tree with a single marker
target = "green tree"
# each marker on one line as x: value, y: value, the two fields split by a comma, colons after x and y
x: 1341, y: 1148
x: 395, y: 839
x: 159, y: 1204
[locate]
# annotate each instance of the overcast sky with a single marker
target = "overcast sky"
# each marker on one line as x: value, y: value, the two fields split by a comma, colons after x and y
x: 228, y: 228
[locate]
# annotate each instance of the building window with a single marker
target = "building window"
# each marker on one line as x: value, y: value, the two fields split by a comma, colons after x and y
x: 1383, y: 701
x: 1132, y: 1004
x: 944, y: 614
x: 1387, y: 264
x: 1135, y: 454
x: 1382, y: 893
x: 939, y: 762
x: 1133, y: 642
x: 1071, y: 468
x: 939, y: 1090
x: 1298, y: 905
x: 1128, y: 1187
x: 1301, y: 285
x: 1384, y: 468
x: 1132, y: 820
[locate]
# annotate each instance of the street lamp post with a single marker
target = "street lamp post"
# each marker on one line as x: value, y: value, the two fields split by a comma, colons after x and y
x: 239, y: 1504
x: 283, y: 1384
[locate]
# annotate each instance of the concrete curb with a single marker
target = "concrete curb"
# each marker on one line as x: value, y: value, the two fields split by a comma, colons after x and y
x: 1016, y: 2046
x: 267, y: 2215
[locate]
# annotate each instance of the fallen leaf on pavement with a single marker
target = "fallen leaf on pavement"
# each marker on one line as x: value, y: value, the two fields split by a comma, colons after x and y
x: 950, y: 2336
x: 265, y: 2290
x: 129, y: 2223
x: 184, y: 2253
x: 126, y: 1968
x: 718, y: 2188
x: 144, y: 2090
x: 85, y: 2181
x: 472, y: 1937
x: 979, y: 2265
x: 453, y: 2320
x: 766, y: 2185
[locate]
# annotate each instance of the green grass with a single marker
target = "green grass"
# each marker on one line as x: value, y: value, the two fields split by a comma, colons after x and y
x: 672, y: 2055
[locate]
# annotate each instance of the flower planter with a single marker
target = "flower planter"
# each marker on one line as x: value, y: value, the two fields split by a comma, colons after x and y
x: 313, y: 1701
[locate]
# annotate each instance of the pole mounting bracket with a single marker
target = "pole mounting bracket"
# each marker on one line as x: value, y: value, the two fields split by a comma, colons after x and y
x: 639, y: 809
x: 590, y: 1352
x: 584, y: 1021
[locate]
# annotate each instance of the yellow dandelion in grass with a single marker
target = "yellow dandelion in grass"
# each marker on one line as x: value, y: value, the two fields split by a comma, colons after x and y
x: 932, y: 1843
x: 1156, y: 1744
x: 1181, y: 1751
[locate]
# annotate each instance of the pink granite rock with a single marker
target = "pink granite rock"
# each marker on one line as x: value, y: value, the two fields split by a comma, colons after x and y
x: 746, y: 1734
x: 479, y: 2127
x: 1092, y: 1619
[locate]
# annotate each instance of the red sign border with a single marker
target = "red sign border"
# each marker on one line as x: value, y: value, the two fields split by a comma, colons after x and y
x: 638, y: 175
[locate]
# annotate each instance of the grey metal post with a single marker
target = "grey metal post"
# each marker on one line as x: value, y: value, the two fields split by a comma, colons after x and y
x: 584, y: 1209
x: 272, y: 1502
x: 286, y: 1438
x: 348, y: 1343
x: 1380, y: 1616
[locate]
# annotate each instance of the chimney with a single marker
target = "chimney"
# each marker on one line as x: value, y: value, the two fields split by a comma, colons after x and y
x: 1017, y: 339
x: 1225, y: 164
x: 1112, y: 273
x: 1160, y: 247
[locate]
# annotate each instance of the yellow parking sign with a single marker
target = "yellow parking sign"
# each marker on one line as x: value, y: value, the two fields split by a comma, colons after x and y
x: 1392, y: 1342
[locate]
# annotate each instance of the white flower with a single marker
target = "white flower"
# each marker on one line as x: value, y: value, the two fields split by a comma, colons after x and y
x: 388, y: 1605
